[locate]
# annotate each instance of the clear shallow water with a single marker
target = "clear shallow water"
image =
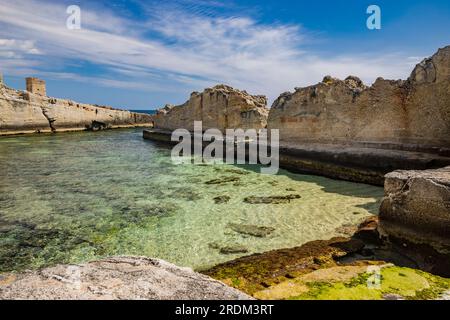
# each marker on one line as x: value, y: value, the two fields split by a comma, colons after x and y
x: 73, y: 197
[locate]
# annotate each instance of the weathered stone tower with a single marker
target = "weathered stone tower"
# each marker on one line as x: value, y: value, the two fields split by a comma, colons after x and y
x: 36, y: 86
x: 1, y: 78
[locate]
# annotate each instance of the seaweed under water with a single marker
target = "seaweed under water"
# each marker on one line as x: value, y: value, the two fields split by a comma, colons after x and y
x: 74, y: 197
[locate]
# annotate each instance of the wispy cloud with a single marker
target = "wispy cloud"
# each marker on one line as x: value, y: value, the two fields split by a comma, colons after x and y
x: 181, y: 48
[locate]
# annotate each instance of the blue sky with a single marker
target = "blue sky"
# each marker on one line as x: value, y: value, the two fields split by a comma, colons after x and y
x: 142, y: 54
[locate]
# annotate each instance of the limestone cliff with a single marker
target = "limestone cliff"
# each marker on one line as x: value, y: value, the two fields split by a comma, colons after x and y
x: 415, y: 111
x: 25, y: 112
x: 219, y: 107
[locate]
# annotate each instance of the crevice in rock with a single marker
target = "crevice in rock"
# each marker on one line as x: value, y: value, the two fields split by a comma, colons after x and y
x: 49, y: 119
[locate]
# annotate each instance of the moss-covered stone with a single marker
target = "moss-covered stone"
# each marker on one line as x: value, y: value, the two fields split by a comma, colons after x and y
x: 399, y: 282
x: 260, y: 271
x: 313, y: 271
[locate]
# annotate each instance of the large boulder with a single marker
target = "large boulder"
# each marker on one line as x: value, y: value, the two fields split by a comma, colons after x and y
x: 416, y: 207
x: 116, y: 278
x: 220, y: 107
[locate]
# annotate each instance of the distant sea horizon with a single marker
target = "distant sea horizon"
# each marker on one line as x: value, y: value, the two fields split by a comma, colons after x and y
x: 144, y: 111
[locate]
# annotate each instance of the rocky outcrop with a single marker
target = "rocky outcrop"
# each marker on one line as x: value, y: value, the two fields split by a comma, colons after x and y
x: 415, y: 211
x: 341, y: 128
x: 219, y: 107
x: 356, y: 268
x: 116, y: 278
x: 411, y: 114
x: 25, y: 112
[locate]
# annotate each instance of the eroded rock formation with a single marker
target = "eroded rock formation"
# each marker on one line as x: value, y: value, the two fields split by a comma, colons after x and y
x: 415, y: 213
x: 219, y: 107
x: 415, y: 111
x: 25, y: 112
x: 116, y: 278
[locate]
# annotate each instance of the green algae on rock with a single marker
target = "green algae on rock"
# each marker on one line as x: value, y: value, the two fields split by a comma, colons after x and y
x: 398, y: 282
x: 260, y: 271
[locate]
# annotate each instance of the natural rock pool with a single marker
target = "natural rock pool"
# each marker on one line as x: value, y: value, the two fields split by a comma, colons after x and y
x: 73, y: 197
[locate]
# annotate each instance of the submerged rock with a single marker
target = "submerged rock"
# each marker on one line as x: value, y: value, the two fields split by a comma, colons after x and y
x: 221, y: 199
x: 223, y: 180
x: 234, y: 171
x: 251, y: 230
x: 233, y: 249
x: 271, y: 199
x: 229, y: 248
x: 116, y: 278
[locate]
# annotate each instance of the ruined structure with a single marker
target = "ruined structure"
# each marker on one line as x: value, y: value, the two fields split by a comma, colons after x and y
x: 219, y: 107
x: 32, y: 111
x: 36, y: 86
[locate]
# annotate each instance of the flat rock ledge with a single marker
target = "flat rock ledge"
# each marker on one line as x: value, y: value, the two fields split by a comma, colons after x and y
x: 128, y: 277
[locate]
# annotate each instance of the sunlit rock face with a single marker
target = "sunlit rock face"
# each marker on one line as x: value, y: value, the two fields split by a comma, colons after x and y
x: 23, y: 112
x: 126, y: 277
x: 416, y: 206
x: 220, y: 107
x: 412, y: 111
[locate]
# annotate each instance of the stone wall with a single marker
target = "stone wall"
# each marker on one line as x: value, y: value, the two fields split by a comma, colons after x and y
x: 25, y: 112
x: 415, y: 111
x: 218, y: 107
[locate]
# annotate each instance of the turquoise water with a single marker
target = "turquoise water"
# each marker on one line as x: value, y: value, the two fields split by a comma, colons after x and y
x: 73, y: 197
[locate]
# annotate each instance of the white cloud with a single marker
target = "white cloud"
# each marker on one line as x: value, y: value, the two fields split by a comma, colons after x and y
x: 12, y: 48
x: 182, y: 50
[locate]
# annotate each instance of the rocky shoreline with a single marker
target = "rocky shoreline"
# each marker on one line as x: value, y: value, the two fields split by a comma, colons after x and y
x: 25, y: 112
x: 407, y: 267
x: 116, y: 278
x: 361, y: 266
x: 341, y: 129
x: 337, y: 269
x: 343, y: 162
